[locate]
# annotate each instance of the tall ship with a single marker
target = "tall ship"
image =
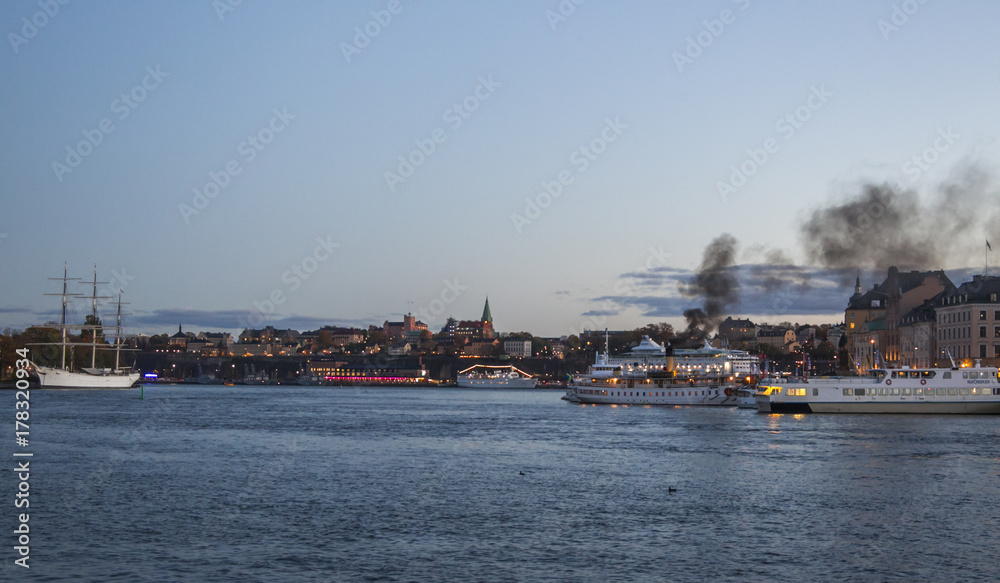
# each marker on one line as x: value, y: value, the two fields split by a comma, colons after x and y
x: 648, y: 375
x: 483, y: 376
x: 957, y: 390
x: 92, y: 377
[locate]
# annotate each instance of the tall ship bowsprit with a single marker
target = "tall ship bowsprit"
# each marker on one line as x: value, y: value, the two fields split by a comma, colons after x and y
x: 92, y: 377
x: 650, y: 374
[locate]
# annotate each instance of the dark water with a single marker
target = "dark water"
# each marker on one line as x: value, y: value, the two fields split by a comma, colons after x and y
x: 316, y: 484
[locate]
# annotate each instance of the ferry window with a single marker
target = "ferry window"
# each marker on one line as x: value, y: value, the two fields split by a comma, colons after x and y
x: 965, y: 374
x: 896, y: 374
x: 953, y: 391
x: 963, y: 391
x: 906, y: 391
x: 929, y: 374
x: 859, y: 392
x: 815, y: 392
x: 894, y: 392
x: 882, y: 391
x: 917, y: 392
x: 941, y: 391
x: 946, y: 375
x: 847, y: 392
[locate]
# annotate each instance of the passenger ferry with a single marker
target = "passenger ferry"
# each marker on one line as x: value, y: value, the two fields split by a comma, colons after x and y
x: 973, y: 390
x: 648, y: 376
x: 482, y: 376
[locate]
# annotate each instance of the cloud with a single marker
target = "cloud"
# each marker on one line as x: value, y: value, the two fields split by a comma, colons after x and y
x: 765, y: 289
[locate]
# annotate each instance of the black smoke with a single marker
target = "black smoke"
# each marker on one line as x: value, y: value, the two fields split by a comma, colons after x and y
x: 715, y: 284
x: 883, y: 225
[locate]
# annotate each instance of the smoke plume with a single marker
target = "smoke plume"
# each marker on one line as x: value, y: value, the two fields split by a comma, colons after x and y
x: 714, y: 283
x: 883, y: 225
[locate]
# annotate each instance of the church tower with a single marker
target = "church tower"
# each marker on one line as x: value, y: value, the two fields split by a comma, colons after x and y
x: 487, y: 316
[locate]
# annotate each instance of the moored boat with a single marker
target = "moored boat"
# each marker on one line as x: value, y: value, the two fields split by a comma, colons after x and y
x: 647, y: 375
x: 968, y: 390
x: 746, y: 397
x: 92, y: 377
x: 482, y: 376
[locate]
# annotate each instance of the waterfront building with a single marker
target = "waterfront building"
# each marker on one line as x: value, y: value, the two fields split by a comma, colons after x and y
x: 738, y: 332
x: 179, y: 340
x: 481, y: 329
x: 968, y: 322
x: 918, y: 337
x: 898, y: 295
x: 782, y: 338
x: 517, y: 347
x: 398, y: 330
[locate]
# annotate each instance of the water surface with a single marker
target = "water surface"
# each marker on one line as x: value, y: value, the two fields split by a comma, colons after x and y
x: 196, y: 483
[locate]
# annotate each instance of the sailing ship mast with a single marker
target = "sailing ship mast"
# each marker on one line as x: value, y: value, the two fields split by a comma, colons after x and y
x: 62, y: 319
x: 94, y: 326
x: 118, y: 331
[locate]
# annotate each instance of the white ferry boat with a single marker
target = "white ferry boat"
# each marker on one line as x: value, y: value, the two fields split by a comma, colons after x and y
x: 972, y: 390
x: 482, y: 376
x: 647, y: 376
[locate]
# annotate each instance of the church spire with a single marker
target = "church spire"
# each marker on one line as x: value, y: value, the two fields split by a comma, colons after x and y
x: 857, y: 284
x: 487, y: 316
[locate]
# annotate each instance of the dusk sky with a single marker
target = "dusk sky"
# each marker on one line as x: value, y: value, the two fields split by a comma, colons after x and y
x: 355, y: 161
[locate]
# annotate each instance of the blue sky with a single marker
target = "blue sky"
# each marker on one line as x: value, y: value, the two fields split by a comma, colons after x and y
x: 299, y: 134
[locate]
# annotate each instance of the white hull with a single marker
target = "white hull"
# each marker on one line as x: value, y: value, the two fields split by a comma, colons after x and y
x: 746, y: 399
x: 973, y: 391
x: 55, y: 378
x: 711, y: 395
x: 496, y: 383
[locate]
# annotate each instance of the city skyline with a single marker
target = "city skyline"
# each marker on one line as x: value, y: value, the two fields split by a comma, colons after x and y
x: 347, y: 164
